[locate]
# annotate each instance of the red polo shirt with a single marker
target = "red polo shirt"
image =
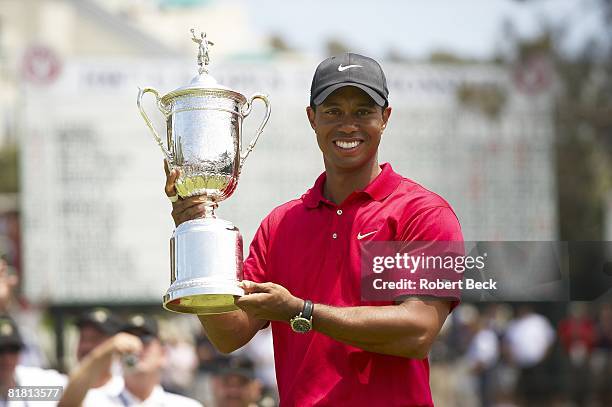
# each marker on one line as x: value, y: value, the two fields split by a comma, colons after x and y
x: 310, y: 246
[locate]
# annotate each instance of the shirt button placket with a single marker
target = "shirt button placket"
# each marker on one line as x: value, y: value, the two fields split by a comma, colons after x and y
x: 335, y: 235
x: 339, y: 228
x: 335, y: 224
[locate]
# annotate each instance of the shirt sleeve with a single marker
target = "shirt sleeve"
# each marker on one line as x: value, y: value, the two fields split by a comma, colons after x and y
x: 436, y: 224
x: 256, y: 265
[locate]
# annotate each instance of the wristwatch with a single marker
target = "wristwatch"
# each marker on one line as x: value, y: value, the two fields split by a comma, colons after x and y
x: 302, y: 322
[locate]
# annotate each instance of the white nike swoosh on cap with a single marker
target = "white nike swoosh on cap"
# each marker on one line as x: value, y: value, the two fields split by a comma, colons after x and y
x: 360, y: 236
x: 344, y: 68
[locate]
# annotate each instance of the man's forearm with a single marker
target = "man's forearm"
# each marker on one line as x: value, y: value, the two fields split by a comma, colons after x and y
x: 230, y: 331
x: 405, y: 330
x: 86, y: 375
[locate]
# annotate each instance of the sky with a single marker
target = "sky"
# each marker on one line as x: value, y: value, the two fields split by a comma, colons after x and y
x: 470, y: 28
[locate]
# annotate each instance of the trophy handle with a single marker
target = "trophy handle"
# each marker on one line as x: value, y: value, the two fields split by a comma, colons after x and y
x: 162, y: 109
x: 246, y: 110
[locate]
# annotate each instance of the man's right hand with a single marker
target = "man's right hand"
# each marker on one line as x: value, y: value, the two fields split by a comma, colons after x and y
x: 183, y: 209
x: 119, y: 344
x: 96, y: 365
x: 123, y: 343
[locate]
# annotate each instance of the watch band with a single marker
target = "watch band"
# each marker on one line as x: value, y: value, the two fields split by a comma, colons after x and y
x: 308, y: 308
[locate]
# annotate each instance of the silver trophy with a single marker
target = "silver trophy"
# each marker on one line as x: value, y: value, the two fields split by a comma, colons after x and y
x: 204, y: 140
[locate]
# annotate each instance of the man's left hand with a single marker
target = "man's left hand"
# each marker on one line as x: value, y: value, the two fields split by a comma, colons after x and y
x: 268, y: 301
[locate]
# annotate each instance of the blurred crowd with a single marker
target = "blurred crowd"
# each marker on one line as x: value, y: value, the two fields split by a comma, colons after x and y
x: 486, y: 355
x: 512, y: 355
x: 121, y: 358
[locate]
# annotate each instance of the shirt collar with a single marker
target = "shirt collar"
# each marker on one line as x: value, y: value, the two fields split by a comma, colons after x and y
x: 156, y: 396
x: 380, y: 187
x: 114, y: 386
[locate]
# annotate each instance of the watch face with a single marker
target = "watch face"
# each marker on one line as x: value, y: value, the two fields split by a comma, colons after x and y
x: 301, y: 325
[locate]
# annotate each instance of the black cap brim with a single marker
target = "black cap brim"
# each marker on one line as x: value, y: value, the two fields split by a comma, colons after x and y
x: 106, y: 328
x: 247, y: 373
x: 14, y: 341
x: 140, y: 331
x: 379, y: 100
x: 141, y: 325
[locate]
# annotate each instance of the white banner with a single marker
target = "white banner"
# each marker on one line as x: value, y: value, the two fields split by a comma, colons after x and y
x: 96, y: 223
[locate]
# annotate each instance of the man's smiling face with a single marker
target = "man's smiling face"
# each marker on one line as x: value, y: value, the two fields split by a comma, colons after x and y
x: 348, y: 125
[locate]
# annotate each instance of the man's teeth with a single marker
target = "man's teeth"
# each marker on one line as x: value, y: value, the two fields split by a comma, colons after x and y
x: 347, y: 144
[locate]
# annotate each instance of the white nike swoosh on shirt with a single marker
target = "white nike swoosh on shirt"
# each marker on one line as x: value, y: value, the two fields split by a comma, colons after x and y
x: 344, y: 68
x: 360, y: 236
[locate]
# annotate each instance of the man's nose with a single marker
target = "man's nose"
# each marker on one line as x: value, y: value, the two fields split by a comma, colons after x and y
x: 348, y: 124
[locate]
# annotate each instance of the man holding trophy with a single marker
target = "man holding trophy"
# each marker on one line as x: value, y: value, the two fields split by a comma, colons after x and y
x: 303, y: 273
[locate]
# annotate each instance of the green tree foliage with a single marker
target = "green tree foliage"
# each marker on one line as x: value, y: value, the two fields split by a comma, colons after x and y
x: 583, y: 122
x: 336, y: 46
x: 9, y: 169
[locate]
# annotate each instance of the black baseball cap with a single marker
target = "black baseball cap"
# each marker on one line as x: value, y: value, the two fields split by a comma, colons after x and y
x: 235, y: 365
x: 101, y: 318
x: 349, y: 69
x: 141, y: 325
x: 9, y: 334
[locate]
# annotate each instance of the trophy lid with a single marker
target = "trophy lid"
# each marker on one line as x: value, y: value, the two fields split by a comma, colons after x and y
x: 203, y: 81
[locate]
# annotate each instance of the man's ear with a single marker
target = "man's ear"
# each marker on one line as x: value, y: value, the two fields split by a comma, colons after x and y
x: 311, y: 116
x: 385, y: 116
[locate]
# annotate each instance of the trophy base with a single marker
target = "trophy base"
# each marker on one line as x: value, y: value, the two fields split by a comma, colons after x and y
x: 206, y: 266
x: 203, y: 304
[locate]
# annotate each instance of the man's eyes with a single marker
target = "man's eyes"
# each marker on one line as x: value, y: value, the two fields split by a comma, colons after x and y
x: 332, y: 112
x: 359, y: 113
